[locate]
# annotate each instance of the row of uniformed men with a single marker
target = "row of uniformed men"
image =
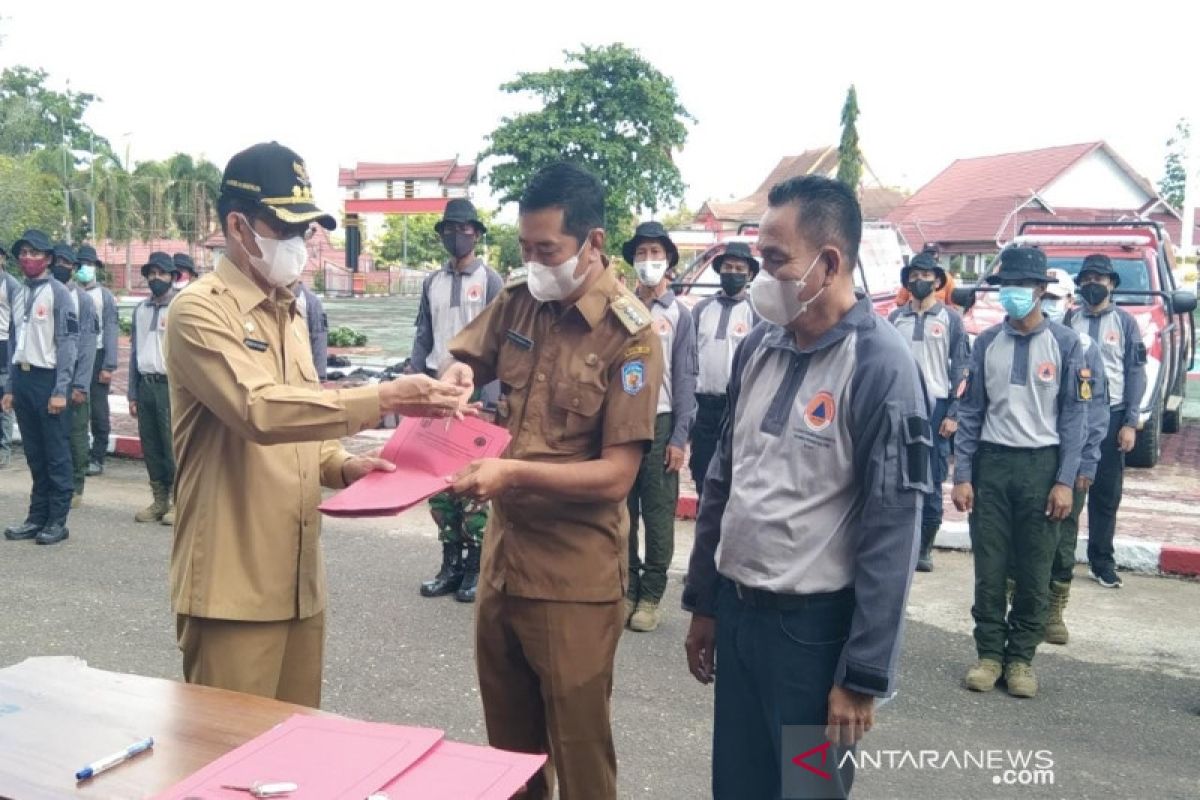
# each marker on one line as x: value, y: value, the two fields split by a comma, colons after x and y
x: 59, y: 336
x: 1044, y: 409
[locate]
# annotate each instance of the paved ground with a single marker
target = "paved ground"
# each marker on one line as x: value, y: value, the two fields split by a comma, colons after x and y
x: 1119, y: 711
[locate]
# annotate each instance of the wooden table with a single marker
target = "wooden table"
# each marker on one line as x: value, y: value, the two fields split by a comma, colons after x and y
x: 58, y: 714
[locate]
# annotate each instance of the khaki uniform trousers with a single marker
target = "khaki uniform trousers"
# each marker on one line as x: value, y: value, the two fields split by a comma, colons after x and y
x: 545, y: 677
x: 281, y: 659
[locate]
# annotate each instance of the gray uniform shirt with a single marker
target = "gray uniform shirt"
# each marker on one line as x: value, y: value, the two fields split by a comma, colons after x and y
x: 146, y: 344
x: 106, y: 308
x: 449, y: 300
x: 89, y: 334
x: 939, y: 344
x: 1115, y: 331
x: 677, y: 335
x: 11, y: 294
x: 721, y: 324
x: 46, y: 334
x: 1024, y: 391
x: 817, y: 481
x: 1097, y: 415
x: 313, y: 310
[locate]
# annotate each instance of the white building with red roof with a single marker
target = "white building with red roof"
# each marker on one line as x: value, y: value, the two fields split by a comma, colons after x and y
x: 374, y: 190
x: 975, y: 205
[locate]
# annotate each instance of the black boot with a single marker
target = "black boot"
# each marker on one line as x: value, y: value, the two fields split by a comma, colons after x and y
x: 53, y: 533
x: 450, y: 576
x: 26, y: 530
x: 466, y: 592
x: 925, y: 557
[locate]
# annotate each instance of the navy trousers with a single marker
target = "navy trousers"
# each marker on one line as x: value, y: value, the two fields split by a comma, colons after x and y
x: 46, y: 438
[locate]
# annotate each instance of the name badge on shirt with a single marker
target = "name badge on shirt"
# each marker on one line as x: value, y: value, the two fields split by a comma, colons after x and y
x: 520, y: 341
x: 255, y: 344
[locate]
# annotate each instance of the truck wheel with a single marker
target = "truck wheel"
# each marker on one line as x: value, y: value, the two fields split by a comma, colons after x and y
x: 1148, y: 446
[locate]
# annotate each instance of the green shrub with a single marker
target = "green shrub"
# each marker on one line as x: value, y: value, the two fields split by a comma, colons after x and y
x: 345, y: 336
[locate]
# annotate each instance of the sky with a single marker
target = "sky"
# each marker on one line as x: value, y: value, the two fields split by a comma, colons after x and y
x: 410, y: 81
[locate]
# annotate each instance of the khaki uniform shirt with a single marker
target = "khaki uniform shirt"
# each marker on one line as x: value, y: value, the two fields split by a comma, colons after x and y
x: 254, y: 441
x: 573, y: 381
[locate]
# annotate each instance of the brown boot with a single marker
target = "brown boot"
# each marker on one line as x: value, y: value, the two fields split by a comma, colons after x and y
x: 155, y: 511
x: 1056, y: 629
x: 646, y: 617
x: 983, y: 676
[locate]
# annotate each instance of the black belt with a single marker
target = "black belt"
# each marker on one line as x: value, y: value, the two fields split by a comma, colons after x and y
x: 774, y: 601
x: 992, y: 447
x: 714, y: 399
x: 23, y: 367
x: 153, y: 377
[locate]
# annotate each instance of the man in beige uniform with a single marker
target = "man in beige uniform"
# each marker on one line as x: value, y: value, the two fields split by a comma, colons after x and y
x: 580, y: 369
x: 255, y: 439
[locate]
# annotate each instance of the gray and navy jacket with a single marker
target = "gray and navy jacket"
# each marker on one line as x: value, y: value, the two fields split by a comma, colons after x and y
x: 1115, y: 331
x: 939, y: 344
x: 89, y: 334
x: 47, y: 326
x: 721, y: 324
x: 146, y: 356
x: 817, y: 482
x: 677, y: 335
x: 1097, y: 413
x: 1025, y: 390
x: 313, y: 311
x: 449, y: 300
x: 106, y: 305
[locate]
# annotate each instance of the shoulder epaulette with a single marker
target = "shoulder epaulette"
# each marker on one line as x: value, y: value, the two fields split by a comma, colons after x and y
x: 517, y: 277
x: 630, y: 312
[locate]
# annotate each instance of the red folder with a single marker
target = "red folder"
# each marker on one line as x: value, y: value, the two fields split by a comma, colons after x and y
x: 454, y: 771
x: 425, y: 451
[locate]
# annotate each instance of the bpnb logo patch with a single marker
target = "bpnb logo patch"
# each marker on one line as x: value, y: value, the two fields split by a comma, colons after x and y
x: 633, y: 376
x: 820, y: 412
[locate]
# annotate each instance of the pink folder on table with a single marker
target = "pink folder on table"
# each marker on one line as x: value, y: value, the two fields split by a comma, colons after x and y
x: 425, y: 452
x: 328, y: 758
x: 454, y: 771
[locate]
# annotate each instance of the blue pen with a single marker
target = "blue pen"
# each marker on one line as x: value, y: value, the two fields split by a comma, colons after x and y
x: 96, y: 767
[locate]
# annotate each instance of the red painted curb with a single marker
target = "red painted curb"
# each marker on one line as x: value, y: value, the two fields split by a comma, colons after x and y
x: 1179, y: 560
x: 686, y: 507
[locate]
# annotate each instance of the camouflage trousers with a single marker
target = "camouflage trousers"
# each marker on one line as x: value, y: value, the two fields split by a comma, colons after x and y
x: 458, y: 520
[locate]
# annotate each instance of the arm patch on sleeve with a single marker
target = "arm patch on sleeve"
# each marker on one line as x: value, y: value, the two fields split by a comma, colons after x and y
x: 1140, y: 354
x: 72, y: 323
x: 918, y: 442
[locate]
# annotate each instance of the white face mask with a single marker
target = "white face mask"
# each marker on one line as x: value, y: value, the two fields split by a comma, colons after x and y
x: 650, y: 272
x: 779, y: 301
x: 282, y: 260
x: 179, y: 284
x: 554, y: 283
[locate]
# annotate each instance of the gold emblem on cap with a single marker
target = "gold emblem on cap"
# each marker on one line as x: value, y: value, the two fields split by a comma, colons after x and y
x: 301, y: 172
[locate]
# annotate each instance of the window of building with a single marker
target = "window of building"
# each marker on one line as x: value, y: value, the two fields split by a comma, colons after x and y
x: 409, y: 190
x: 389, y: 190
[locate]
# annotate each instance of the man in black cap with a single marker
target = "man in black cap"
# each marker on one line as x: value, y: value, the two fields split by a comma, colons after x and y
x: 183, y: 271
x: 1021, y: 434
x: 41, y: 355
x: 105, y: 305
x: 450, y: 298
x: 85, y: 357
x: 1115, y: 332
x: 939, y: 344
x: 656, y: 491
x: 722, y: 321
x: 148, y: 392
x: 247, y: 575
x: 10, y: 299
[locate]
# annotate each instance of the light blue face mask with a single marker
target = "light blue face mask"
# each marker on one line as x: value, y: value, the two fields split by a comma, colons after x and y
x: 1017, y: 300
x: 86, y: 273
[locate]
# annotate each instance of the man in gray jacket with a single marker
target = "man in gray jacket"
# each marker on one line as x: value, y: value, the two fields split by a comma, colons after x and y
x: 807, y: 530
x: 87, y: 275
x: 10, y: 299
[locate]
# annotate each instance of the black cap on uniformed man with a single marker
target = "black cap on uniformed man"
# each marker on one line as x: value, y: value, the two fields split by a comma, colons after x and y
x: 651, y: 231
x: 87, y: 254
x: 738, y: 250
x: 924, y: 260
x: 460, y: 228
x: 1019, y: 264
x: 182, y: 264
x: 64, y: 262
x: 266, y: 209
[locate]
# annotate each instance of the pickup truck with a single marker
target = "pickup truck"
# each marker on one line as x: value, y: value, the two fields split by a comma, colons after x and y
x: 1143, y: 256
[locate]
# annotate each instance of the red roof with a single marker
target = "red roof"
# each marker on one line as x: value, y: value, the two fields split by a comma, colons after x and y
x: 977, y: 200
x: 449, y: 172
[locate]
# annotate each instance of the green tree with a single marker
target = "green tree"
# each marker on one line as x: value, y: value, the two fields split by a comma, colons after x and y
x: 850, y: 160
x: 33, y: 117
x: 424, y: 245
x: 504, y: 249
x: 29, y: 198
x: 611, y: 112
x: 1174, y: 179
x: 680, y: 218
